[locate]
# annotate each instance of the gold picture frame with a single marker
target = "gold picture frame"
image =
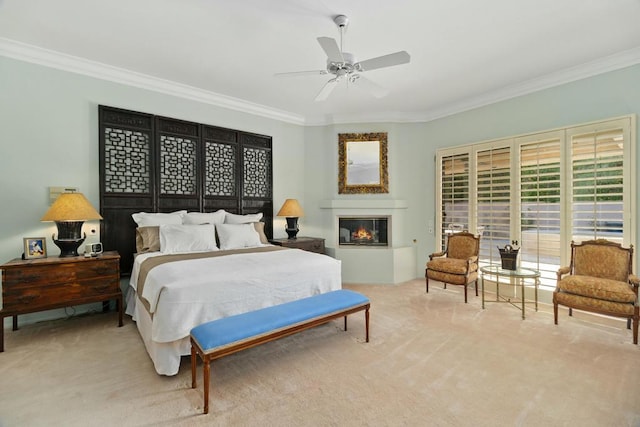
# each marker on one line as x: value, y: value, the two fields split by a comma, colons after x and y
x: 34, y: 247
x: 362, y: 163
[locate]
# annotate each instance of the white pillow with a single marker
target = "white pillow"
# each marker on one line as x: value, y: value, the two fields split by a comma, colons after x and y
x: 179, y: 238
x: 242, y: 219
x: 216, y: 217
x: 147, y: 219
x: 238, y: 236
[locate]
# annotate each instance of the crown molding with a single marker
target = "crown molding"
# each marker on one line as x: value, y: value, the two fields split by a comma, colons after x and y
x: 65, y: 62
x: 609, y: 63
x: 53, y: 59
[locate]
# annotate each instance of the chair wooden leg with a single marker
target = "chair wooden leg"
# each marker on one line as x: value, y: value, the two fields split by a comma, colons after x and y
x: 629, y: 323
x: 555, y: 312
x: 426, y: 276
x: 636, y: 320
x: 465, y: 293
x: 570, y: 311
x: 476, y: 287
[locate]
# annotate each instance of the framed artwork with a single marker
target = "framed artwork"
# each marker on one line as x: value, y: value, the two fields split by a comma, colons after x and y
x: 35, y: 247
x: 362, y: 163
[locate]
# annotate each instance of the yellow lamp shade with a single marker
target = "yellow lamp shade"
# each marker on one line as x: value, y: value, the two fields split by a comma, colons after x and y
x: 291, y: 208
x: 71, y: 207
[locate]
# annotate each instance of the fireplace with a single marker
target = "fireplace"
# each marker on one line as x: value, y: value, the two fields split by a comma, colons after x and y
x: 364, y: 231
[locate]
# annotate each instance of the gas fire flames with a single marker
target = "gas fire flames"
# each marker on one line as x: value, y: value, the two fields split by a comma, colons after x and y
x: 362, y: 234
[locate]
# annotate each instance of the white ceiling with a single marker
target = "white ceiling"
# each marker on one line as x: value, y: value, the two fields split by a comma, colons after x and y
x: 464, y: 53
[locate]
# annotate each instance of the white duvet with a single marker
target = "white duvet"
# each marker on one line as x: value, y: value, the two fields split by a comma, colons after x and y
x: 184, y: 294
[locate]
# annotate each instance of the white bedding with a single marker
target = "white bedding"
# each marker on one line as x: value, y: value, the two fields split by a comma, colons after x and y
x: 184, y: 294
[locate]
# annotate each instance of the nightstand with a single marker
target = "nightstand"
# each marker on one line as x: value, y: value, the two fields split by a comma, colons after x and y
x: 311, y: 244
x: 42, y: 284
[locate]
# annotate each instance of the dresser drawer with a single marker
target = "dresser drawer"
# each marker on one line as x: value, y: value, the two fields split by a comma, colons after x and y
x: 37, y: 297
x: 33, y: 285
x: 44, y: 275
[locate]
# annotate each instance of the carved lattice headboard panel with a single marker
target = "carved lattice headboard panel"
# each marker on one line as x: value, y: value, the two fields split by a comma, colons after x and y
x: 158, y: 164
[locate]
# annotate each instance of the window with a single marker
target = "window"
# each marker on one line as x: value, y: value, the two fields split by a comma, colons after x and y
x: 540, y: 191
x: 597, y: 193
x: 493, y: 178
x: 540, y: 208
x: 454, y: 178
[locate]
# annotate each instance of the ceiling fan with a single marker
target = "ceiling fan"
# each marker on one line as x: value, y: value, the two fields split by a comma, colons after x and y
x: 345, y: 66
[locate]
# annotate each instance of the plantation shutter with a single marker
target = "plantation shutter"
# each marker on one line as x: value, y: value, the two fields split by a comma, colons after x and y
x: 493, y: 201
x: 597, y: 185
x: 540, y: 206
x: 454, y: 212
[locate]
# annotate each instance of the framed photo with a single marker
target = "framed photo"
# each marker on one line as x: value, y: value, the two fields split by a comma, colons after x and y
x: 35, y: 247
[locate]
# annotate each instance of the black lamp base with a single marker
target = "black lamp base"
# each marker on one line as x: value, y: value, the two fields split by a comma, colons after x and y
x: 68, y: 247
x: 292, y: 227
x: 69, y: 237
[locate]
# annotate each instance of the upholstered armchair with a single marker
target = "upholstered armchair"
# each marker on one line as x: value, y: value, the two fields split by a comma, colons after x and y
x: 599, y: 279
x: 458, y: 264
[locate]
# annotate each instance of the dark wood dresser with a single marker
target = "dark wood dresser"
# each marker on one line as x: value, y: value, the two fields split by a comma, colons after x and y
x: 311, y: 244
x: 46, y: 283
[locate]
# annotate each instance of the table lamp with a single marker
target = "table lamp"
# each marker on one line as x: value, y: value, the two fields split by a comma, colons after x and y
x: 292, y: 210
x: 69, y: 211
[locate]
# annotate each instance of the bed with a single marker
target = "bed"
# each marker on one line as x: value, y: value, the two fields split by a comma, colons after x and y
x: 184, y: 286
x: 204, y: 180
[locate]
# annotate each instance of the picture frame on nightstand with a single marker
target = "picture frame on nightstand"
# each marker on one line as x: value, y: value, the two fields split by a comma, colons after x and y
x: 35, y: 247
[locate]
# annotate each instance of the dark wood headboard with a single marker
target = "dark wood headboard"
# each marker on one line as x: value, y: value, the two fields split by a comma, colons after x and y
x: 157, y: 164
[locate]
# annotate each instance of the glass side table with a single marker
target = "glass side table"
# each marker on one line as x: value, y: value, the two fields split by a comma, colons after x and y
x: 517, y: 278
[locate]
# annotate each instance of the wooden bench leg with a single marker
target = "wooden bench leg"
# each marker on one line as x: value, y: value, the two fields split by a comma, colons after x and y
x: 207, y: 371
x: 366, y: 322
x: 345, y: 323
x: 193, y: 366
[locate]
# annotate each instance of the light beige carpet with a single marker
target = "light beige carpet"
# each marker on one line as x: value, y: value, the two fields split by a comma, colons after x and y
x: 432, y: 360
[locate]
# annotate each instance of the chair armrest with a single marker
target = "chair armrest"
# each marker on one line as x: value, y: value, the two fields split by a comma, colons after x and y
x: 436, y: 255
x: 562, y: 271
x: 634, y: 280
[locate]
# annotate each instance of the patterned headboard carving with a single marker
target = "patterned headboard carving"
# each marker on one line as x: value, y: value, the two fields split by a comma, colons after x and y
x: 158, y: 164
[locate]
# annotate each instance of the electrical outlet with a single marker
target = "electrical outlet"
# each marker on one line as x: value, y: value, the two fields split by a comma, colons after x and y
x: 430, y: 226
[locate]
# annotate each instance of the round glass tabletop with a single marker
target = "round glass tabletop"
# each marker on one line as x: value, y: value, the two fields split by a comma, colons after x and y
x: 520, y: 272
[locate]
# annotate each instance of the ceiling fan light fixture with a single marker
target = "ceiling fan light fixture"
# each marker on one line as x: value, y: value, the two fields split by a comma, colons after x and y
x: 341, y: 21
x: 344, y: 64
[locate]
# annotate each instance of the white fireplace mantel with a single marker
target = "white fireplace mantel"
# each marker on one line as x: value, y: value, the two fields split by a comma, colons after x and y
x: 363, y: 204
x: 393, y: 264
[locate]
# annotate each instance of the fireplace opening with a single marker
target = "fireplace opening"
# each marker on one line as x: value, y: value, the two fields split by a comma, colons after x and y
x: 363, y: 231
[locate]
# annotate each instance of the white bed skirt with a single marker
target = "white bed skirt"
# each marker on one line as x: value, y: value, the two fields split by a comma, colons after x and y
x: 165, y: 356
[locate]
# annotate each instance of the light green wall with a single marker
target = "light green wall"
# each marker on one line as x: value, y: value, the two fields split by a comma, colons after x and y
x: 48, y: 137
x: 412, y: 146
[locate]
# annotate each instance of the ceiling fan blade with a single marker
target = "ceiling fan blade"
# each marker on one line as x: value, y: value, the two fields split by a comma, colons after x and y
x: 371, y: 87
x: 302, y: 73
x: 330, y: 47
x: 397, y: 58
x: 327, y: 89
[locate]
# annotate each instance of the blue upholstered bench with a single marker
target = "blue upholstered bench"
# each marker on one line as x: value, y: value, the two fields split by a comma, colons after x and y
x: 228, y: 335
